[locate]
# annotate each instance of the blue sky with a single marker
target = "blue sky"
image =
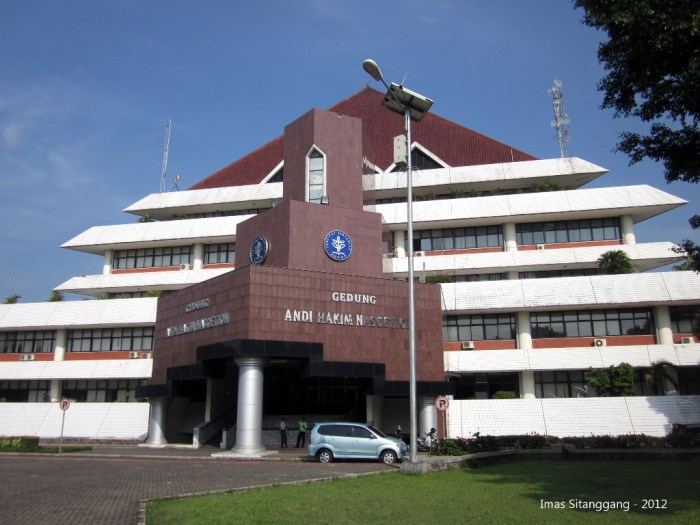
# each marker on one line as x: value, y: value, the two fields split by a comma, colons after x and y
x: 87, y: 87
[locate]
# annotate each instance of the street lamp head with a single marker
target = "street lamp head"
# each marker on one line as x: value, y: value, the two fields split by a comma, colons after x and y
x: 372, y: 69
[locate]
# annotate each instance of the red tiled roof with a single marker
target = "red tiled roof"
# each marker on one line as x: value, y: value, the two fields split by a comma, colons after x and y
x: 454, y: 144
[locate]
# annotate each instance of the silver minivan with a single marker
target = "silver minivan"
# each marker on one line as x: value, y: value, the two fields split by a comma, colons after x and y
x: 343, y: 440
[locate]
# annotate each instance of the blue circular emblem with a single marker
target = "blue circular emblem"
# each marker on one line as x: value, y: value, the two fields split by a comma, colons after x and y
x: 338, y: 245
x: 258, y: 250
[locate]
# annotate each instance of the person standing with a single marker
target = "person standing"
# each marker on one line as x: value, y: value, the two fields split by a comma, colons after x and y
x: 283, y: 433
x: 301, y: 436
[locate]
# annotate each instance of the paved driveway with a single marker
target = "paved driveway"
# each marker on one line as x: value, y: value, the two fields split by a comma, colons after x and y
x: 105, y: 489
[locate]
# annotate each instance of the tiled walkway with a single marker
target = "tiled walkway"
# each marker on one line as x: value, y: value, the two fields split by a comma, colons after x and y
x: 105, y: 486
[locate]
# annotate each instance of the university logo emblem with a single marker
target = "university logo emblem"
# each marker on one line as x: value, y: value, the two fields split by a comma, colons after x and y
x: 338, y: 245
x: 258, y: 250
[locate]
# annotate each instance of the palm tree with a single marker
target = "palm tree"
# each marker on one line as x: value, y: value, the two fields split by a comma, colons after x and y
x: 616, y: 262
x: 659, y: 372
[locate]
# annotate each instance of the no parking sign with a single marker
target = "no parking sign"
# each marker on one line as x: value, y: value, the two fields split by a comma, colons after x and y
x: 63, y: 404
x: 442, y: 403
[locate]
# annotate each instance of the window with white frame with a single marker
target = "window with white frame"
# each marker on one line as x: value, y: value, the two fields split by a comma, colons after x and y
x: 220, y: 253
x: 315, y: 176
x: 110, y: 340
x: 152, y: 257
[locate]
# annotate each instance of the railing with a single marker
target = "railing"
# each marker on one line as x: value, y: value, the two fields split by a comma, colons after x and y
x: 203, y: 432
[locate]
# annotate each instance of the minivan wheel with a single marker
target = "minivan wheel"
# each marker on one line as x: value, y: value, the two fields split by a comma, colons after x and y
x: 324, y: 455
x: 388, y: 457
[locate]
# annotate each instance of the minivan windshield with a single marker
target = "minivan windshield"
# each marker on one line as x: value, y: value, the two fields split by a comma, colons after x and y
x: 376, y: 431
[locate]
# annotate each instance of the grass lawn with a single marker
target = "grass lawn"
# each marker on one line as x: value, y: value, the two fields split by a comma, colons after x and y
x: 518, y: 492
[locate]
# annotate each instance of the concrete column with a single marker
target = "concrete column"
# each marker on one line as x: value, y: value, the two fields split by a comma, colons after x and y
x: 208, y: 401
x: 399, y: 241
x: 198, y: 256
x: 509, y: 237
x: 107, y: 263
x: 250, y: 406
x: 427, y: 415
x: 512, y: 275
x: 59, y: 349
x: 523, y: 328
x: 156, y: 423
x: 527, y: 384
x: 59, y: 354
x: 55, y: 390
x: 375, y: 410
x: 527, y: 377
x: 662, y: 318
x: 627, y: 227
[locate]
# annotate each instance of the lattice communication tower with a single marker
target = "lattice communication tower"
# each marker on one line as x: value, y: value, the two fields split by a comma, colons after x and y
x: 561, y: 119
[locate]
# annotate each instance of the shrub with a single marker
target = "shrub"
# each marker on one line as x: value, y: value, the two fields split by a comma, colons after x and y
x: 461, y: 446
x: 612, y: 382
x: 623, y: 441
x: 19, y: 444
x: 504, y: 394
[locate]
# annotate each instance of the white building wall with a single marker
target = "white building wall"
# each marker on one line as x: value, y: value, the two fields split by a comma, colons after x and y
x: 127, y: 421
x: 653, y: 416
x: 574, y: 358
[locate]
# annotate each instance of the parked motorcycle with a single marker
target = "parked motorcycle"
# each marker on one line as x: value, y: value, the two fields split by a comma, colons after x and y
x: 428, y: 442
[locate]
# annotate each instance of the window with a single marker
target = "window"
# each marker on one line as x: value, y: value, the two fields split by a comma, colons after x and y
x: 591, y: 323
x: 316, y: 176
x: 419, y: 161
x: 689, y: 380
x: 220, y: 253
x: 36, y: 342
x: 361, y: 432
x: 607, y: 229
x: 102, y: 391
x: 485, y: 386
x: 25, y: 391
x: 478, y: 327
x: 473, y: 278
x: 110, y: 340
x: 458, y: 238
x: 277, y: 177
x: 683, y: 318
x: 152, y: 257
x: 560, y: 383
x: 548, y: 274
x: 226, y: 213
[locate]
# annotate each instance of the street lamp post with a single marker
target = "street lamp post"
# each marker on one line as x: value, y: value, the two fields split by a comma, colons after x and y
x: 413, y: 107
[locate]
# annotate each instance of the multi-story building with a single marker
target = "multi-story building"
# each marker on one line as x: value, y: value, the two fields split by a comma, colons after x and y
x: 510, y: 242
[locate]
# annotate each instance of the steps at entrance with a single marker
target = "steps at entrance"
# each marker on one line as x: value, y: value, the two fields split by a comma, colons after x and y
x: 271, y: 433
x: 271, y: 426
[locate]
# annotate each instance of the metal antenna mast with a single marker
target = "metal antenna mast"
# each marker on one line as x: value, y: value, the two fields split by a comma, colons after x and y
x: 165, y: 157
x: 561, y: 119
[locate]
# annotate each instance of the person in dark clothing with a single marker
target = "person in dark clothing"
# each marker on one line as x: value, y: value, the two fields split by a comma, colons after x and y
x: 283, y: 433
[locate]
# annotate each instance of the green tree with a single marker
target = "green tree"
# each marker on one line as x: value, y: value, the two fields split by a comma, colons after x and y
x: 616, y: 262
x: 652, y: 60
x: 615, y: 381
x: 55, y: 296
x: 691, y: 252
x: 12, y: 299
